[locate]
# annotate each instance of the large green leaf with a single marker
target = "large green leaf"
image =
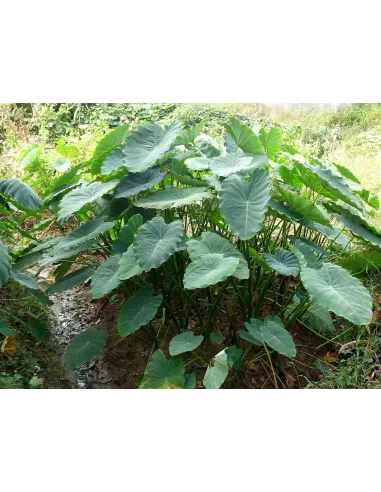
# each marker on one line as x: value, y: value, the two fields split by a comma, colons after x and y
x: 84, y: 233
x: 360, y: 228
x: 253, y: 334
x: 197, y: 163
x: 275, y: 335
x: 209, y: 243
x: 331, y: 182
x: 24, y: 279
x: 21, y: 193
x: 347, y: 173
x: 271, y: 141
x: 84, y: 347
x: 5, y: 331
x: 316, y: 318
x: 173, y: 197
x: 5, y: 264
x: 108, y: 144
x: 208, y: 146
x: 134, y: 183
x: 75, y: 200
x: 217, y: 372
x: 362, y: 263
x: 105, y: 279
x: 185, y: 342
x: 183, y: 176
x: 162, y: 373
x: 138, y: 311
x: 283, y: 262
x: 319, y: 320
x: 128, y: 266
x: 156, y: 241
x: 41, y: 297
x: 304, y: 207
x: 127, y: 234
x: 112, y: 162
x: 244, y: 203
x: 53, y: 256
x: 225, y: 165
x: 37, y: 328
x: 244, y: 137
x: 336, y: 290
x: 71, y: 280
x: 147, y: 144
x: 209, y: 270
x: 283, y: 211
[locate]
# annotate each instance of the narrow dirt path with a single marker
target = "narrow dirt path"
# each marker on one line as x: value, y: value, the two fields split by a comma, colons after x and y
x: 71, y: 313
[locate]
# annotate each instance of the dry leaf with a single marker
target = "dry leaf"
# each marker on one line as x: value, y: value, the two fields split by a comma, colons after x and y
x: 290, y: 381
x: 348, y: 347
x: 9, y: 346
x: 330, y: 358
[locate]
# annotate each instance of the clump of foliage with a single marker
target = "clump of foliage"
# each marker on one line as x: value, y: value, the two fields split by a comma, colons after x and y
x: 219, y: 246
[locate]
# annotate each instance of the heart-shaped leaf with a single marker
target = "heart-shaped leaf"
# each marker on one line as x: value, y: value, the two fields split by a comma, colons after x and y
x: 336, y: 290
x: 209, y: 270
x: 138, y: 311
x: 210, y: 243
x: 157, y: 241
x: 253, y: 333
x: 283, y: 262
x: 105, y: 278
x: 185, y: 342
x: 128, y: 266
x: 217, y: 372
x: 233, y: 163
x: 127, y: 235
x: 71, y: 280
x: 84, y: 347
x: 173, y: 197
x: 21, y: 193
x: 244, y: 137
x: 84, y: 233
x: 108, y: 144
x: 134, y: 183
x: 197, y: 163
x: 244, y: 203
x: 271, y: 141
x: 162, y: 373
x: 275, y: 335
x: 147, y: 144
x: 208, y: 146
x: 75, y: 200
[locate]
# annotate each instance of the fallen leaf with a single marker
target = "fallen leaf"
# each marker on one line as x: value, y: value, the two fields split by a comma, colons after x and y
x: 330, y: 358
x: 9, y: 346
x: 290, y: 381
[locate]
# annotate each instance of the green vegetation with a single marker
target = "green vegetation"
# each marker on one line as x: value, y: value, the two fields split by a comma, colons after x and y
x: 221, y: 234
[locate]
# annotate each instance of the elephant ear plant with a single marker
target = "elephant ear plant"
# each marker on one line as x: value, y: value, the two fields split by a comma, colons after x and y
x: 218, y: 248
